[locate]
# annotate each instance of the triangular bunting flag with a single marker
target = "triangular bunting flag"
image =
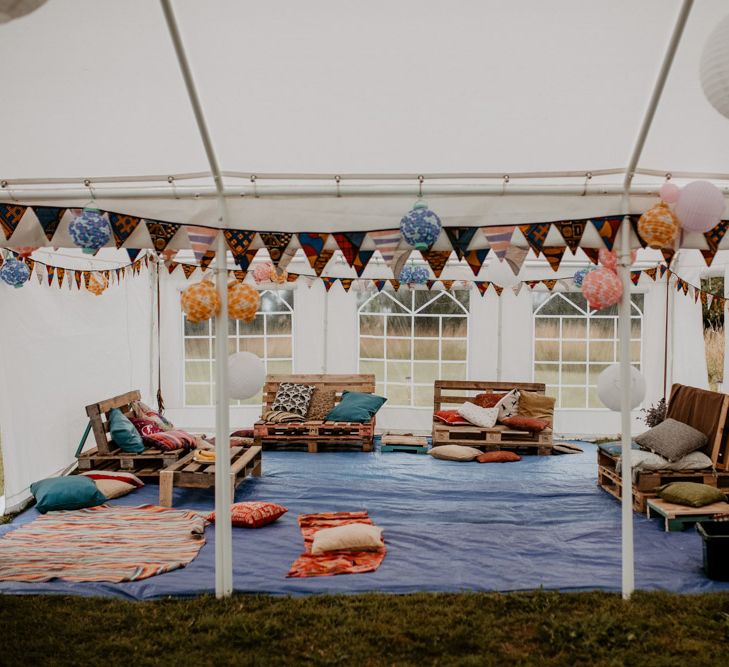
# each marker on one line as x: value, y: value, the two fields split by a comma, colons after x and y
x: 238, y: 241
x: 132, y: 252
x: 571, y: 231
x: 535, y: 235
x: 247, y: 259
x: 51, y: 274
x: 708, y: 256
x: 499, y: 238
x: 482, y: 286
x: 240, y: 276
x: 447, y: 284
x: 532, y: 283
x: 122, y: 227
x: 517, y: 288
x: 346, y: 283
x: 634, y: 224
x: 188, y: 270
x: 292, y: 277
x: 379, y: 284
x: 321, y: 261
x: 60, y: 272
x: 328, y: 282
x: 668, y: 254
x: 429, y: 284
x: 662, y: 269
x: 651, y: 273
x: 10, y: 217
x: 276, y: 244
x: 714, y: 236
x: 593, y: 254
x: 161, y: 233
x: 515, y: 257
x: 395, y: 284
x: 460, y: 238
x: 387, y: 242
x: 635, y: 277
x: 313, y: 246
x: 206, y: 259
x: 554, y: 254
x: 172, y: 266
x: 549, y: 284
x: 349, y: 243
x: 607, y: 228
x: 476, y: 258
x: 362, y: 260
x: 437, y: 260
x: 696, y: 294
x: 704, y: 298
x: 498, y: 289
x: 87, y: 278
x: 201, y: 238
x: 49, y: 218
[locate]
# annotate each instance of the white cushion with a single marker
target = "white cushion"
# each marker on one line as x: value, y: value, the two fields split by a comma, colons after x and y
x: 644, y: 460
x: 485, y: 417
x: 350, y: 537
x: 509, y: 405
x: 454, y: 452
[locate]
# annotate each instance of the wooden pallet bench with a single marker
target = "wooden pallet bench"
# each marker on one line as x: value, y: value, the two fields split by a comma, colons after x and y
x: 456, y: 392
x: 391, y: 442
x: 107, y: 456
x: 190, y: 474
x: 316, y: 435
x: 678, y: 517
x: 611, y: 482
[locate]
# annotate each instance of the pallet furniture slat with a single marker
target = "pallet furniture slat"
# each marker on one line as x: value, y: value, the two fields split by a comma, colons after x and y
x: 677, y: 517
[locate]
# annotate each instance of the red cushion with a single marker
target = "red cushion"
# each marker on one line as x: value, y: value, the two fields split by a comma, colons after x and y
x: 498, y: 457
x: 253, y: 514
x: 450, y: 417
x: 145, y: 427
x: 171, y: 440
x: 242, y: 433
x: 486, y: 400
x: 526, y: 423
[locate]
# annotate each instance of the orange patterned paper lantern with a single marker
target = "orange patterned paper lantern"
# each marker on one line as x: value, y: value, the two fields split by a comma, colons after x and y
x: 243, y: 301
x: 602, y: 288
x: 658, y: 226
x: 200, y: 301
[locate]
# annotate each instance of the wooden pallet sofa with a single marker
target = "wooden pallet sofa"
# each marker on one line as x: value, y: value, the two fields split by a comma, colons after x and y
x: 705, y: 411
x: 453, y: 393
x: 313, y: 434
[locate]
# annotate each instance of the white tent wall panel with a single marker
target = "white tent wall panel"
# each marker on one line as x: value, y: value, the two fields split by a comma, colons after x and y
x: 61, y: 350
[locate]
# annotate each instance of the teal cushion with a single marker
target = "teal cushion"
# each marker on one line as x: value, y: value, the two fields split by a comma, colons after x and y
x: 66, y: 493
x: 356, y: 406
x: 124, y: 433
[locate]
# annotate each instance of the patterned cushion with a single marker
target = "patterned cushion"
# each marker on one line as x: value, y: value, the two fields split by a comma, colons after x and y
x: 143, y: 411
x: 171, y: 440
x: 508, y: 405
x: 145, y: 427
x: 483, y: 417
x: 486, y: 400
x: 117, y: 475
x: 322, y: 402
x: 526, y: 423
x: 281, y: 417
x: 672, y: 439
x: 253, y: 514
x: 498, y: 457
x: 450, y: 417
x: 292, y: 397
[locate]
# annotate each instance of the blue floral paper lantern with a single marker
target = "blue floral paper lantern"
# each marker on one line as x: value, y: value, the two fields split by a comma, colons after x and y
x: 414, y: 275
x: 90, y: 230
x: 580, y: 275
x: 420, y: 227
x: 14, y: 272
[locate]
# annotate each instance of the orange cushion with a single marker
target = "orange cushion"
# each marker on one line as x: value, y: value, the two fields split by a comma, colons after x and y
x: 450, y: 417
x: 487, y: 400
x: 253, y: 514
x: 526, y: 423
x: 498, y: 457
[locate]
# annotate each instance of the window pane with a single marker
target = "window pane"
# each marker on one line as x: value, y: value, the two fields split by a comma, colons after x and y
x: 453, y: 349
x: 371, y: 325
x: 197, y: 328
x: 398, y: 348
x: 453, y: 372
x: 602, y: 351
x: 425, y: 372
x: 254, y: 345
x: 427, y: 327
x: 197, y: 394
x: 371, y: 348
x: 398, y: 371
x: 197, y: 371
x: 635, y: 327
x: 595, y: 370
x: 375, y: 367
x: 426, y: 349
x: 545, y: 350
x: 456, y: 327
x: 253, y: 400
x: 398, y: 394
x: 635, y: 350
x: 573, y: 374
x: 197, y: 348
x: 573, y: 397
x: 251, y: 328
x: 546, y: 373
x: 546, y: 327
x: 398, y: 326
x: 278, y: 325
x: 574, y: 351
x: 279, y: 347
x: 279, y: 367
x: 274, y: 302
x: 602, y: 328
x: 232, y: 326
x: 423, y: 397
x: 573, y: 327
x: 593, y: 400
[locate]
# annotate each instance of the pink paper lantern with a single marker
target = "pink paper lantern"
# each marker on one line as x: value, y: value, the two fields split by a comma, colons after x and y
x: 602, y: 288
x: 700, y: 206
x: 609, y: 258
x: 262, y: 272
x: 669, y: 192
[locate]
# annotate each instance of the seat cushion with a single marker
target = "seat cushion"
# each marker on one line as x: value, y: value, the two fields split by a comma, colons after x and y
x: 293, y: 397
x: 450, y: 417
x: 124, y: 433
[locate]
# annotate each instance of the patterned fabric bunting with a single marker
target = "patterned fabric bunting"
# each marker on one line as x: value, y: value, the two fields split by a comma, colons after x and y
x: 132, y: 252
x: 429, y: 284
x: 10, y: 217
x: 635, y: 277
x: 476, y: 258
x: 497, y: 288
x: 571, y: 231
x: 460, y: 238
x: 703, y: 297
x: 201, y: 238
x: 188, y: 270
x: 291, y: 278
x: 554, y: 254
x: 51, y: 274
x: 668, y: 254
x: 549, y: 284
x: 161, y: 233
x: 387, y: 242
x: 276, y: 244
x: 313, y: 246
x: 60, y: 272
x: 593, y: 254
x: 535, y: 235
x: 714, y: 236
x: 651, y: 273
x: 482, y: 286
x: 395, y: 284
x: 634, y: 224
x: 172, y: 266
x: 515, y: 257
x: 362, y: 260
x: 328, y: 282
x: 607, y: 228
x: 240, y: 276
x: 349, y: 243
x: 206, y: 259
x: 499, y: 238
x: 49, y: 218
x: 447, y: 284
x: 122, y: 227
x: 437, y: 260
x: 238, y: 241
x: 321, y: 261
x: 346, y: 283
x: 662, y: 270
x: 708, y: 256
x: 247, y: 259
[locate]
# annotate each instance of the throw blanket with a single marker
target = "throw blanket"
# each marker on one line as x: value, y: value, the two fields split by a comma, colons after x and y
x: 102, y: 544
x: 333, y: 562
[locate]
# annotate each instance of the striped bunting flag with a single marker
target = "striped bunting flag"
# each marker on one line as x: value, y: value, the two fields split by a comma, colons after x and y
x: 499, y: 238
x: 201, y: 238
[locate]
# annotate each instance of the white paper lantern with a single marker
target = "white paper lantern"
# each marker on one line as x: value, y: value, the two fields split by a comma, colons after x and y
x: 700, y: 206
x: 246, y: 374
x: 714, y: 68
x: 14, y: 9
x: 609, y: 387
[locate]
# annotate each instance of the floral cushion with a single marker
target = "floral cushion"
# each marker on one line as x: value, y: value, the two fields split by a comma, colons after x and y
x: 292, y: 397
x: 450, y: 417
x: 498, y: 457
x: 171, y: 440
x: 253, y: 514
x: 143, y: 411
x: 526, y: 423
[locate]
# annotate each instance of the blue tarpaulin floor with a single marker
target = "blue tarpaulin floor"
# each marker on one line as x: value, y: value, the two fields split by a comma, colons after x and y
x: 540, y: 522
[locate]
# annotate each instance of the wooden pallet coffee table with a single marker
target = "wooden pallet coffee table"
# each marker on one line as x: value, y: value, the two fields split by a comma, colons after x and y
x: 676, y: 517
x: 188, y: 473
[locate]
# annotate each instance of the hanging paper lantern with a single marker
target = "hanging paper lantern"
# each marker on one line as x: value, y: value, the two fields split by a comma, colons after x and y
x: 97, y: 284
x: 658, y: 226
x: 246, y: 375
x: 580, y: 274
x: 262, y: 272
x: 90, y: 230
x: 700, y: 206
x: 414, y: 275
x: 714, y: 68
x: 602, y: 288
x: 200, y: 301
x: 669, y: 192
x: 25, y: 251
x: 243, y: 301
x: 14, y: 272
x: 609, y: 387
x: 420, y: 227
x: 17, y: 8
x: 609, y: 258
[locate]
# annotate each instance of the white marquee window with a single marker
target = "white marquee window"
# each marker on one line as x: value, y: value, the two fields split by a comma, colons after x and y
x: 411, y: 338
x: 269, y: 336
x: 573, y: 345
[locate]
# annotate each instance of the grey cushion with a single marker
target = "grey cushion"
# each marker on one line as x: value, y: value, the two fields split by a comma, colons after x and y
x: 672, y: 439
x: 292, y: 397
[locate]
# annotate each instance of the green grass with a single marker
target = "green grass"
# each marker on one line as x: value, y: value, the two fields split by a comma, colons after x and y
x: 423, y: 629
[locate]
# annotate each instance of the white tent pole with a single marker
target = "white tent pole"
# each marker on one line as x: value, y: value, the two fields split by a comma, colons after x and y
x: 223, y: 527
x: 624, y: 263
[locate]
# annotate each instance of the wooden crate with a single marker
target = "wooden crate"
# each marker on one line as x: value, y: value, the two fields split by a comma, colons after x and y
x: 188, y: 473
x: 107, y: 456
x: 611, y: 482
x: 314, y: 435
x: 456, y: 392
x: 391, y: 442
x: 678, y: 517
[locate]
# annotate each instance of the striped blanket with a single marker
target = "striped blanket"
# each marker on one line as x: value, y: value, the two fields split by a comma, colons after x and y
x: 333, y: 562
x: 105, y: 543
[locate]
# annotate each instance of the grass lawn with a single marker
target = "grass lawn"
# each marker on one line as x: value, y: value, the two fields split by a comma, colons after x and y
x: 446, y: 629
